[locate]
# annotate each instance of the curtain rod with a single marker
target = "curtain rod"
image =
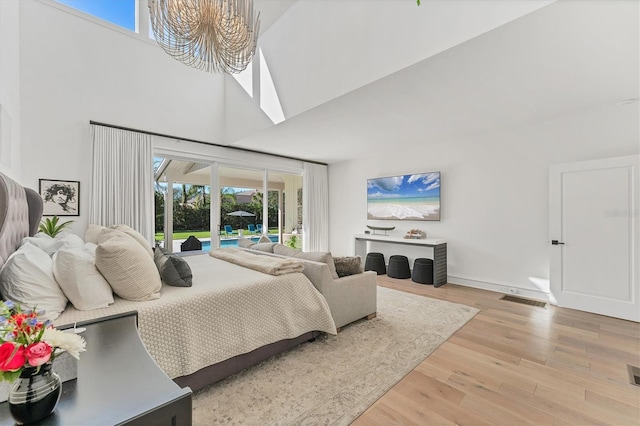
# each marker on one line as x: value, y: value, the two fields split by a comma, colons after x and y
x: 254, y: 151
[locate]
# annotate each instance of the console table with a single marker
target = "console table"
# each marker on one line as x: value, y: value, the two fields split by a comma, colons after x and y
x: 439, y: 251
x: 118, y: 382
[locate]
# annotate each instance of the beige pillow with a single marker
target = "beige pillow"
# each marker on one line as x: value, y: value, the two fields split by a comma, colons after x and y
x: 264, y: 239
x: 136, y: 236
x: 245, y: 243
x: 93, y: 233
x: 320, y: 256
x: 127, y: 267
x: 283, y: 250
x: 266, y: 247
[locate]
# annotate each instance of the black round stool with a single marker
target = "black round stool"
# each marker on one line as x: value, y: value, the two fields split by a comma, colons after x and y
x: 375, y: 262
x: 398, y: 267
x: 422, y: 271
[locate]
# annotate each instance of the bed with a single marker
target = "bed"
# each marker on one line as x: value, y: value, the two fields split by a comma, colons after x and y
x: 232, y: 317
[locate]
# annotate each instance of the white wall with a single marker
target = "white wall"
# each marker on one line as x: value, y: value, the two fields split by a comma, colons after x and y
x: 494, y: 193
x: 10, y: 89
x: 73, y: 71
x: 319, y: 50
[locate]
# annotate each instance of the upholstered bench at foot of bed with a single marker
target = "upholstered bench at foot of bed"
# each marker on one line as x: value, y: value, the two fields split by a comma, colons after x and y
x: 350, y: 298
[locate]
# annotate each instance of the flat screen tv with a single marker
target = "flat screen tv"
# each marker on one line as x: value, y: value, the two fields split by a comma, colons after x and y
x: 407, y: 197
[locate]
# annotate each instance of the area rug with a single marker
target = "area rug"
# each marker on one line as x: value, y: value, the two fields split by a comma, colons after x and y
x: 334, y: 379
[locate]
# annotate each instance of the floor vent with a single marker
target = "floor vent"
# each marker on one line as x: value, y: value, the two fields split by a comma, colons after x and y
x: 634, y: 375
x: 529, y: 302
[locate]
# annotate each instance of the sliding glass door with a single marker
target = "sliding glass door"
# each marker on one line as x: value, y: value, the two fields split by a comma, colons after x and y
x: 200, y: 205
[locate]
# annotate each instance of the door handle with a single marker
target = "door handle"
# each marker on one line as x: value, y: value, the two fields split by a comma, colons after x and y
x: 556, y: 243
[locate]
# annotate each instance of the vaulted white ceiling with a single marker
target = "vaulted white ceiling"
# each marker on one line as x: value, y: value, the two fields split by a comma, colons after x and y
x: 354, y: 76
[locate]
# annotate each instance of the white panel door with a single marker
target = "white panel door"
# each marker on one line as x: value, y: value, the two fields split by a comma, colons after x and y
x: 594, y: 236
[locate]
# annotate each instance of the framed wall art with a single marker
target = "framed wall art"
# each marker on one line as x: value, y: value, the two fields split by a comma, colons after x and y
x: 405, y: 197
x: 61, y: 197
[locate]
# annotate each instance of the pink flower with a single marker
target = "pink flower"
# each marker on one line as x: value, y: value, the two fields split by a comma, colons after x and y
x: 38, y: 353
x: 11, y: 356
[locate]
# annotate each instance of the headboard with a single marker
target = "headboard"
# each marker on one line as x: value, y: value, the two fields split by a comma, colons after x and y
x: 20, y: 214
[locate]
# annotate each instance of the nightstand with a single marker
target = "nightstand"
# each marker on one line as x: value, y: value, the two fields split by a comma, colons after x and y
x: 118, y: 382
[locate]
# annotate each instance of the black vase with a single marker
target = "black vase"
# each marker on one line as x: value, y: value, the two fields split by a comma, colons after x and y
x: 34, y: 394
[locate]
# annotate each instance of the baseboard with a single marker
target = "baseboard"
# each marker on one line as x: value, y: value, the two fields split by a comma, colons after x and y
x: 499, y: 288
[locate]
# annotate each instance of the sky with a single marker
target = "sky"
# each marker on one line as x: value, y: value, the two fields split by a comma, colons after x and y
x: 418, y: 185
x: 119, y: 12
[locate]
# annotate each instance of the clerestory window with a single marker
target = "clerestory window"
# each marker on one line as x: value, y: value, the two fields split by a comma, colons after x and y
x: 118, y: 12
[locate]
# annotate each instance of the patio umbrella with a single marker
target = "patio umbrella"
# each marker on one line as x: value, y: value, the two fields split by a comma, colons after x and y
x: 240, y: 213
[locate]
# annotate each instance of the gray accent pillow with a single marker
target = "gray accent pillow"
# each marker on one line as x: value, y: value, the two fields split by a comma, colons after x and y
x: 245, y: 243
x: 348, y: 265
x: 173, y: 269
x: 266, y: 247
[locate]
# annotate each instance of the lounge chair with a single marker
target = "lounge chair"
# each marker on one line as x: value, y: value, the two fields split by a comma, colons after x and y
x: 228, y: 230
x: 252, y: 228
x: 259, y: 230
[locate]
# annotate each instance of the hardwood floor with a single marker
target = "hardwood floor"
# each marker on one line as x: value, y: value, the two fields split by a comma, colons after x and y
x: 515, y: 364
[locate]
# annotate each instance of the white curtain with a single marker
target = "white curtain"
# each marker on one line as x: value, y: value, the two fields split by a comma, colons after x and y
x: 122, y: 182
x: 315, y: 208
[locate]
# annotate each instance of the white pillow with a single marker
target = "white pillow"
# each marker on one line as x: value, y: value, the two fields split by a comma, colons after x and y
x: 40, y: 240
x: 27, y: 279
x: 76, y: 273
x: 93, y: 233
x: 136, y: 236
x: 91, y: 249
x: 130, y: 272
x: 64, y: 241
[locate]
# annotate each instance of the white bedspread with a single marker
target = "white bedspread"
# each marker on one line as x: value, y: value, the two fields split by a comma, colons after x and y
x: 230, y: 310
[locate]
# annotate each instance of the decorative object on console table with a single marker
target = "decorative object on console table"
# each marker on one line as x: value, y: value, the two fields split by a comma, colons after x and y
x: 381, y: 228
x: 415, y: 234
x: 61, y: 197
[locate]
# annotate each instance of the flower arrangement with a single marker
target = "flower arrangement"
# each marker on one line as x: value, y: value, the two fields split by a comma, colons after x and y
x: 29, y: 342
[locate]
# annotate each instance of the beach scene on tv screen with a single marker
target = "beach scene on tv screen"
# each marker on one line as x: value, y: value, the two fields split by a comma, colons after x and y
x: 407, y: 197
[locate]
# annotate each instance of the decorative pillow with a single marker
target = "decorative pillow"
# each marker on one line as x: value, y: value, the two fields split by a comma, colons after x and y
x: 76, y: 273
x: 93, y: 233
x: 40, y: 240
x: 64, y: 241
x: 264, y: 239
x: 173, y: 269
x: 320, y: 256
x: 125, y: 264
x: 266, y: 247
x: 90, y: 248
x: 27, y: 279
x: 245, y: 243
x: 136, y: 236
x: 348, y: 265
x: 283, y: 250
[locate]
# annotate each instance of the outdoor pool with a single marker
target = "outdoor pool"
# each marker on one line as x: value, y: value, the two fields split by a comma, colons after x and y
x: 233, y: 242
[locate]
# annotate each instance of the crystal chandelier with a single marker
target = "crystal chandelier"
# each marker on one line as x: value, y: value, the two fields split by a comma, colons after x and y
x: 212, y: 35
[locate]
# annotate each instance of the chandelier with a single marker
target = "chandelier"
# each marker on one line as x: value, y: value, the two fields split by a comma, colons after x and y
x: 212, y: 35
